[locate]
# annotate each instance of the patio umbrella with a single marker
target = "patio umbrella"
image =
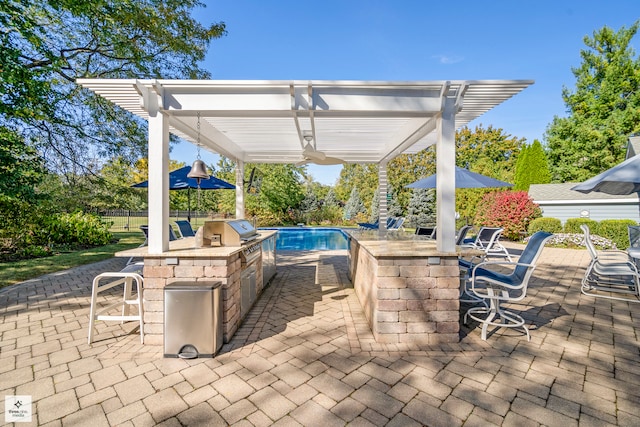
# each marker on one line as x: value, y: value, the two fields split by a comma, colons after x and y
x: 178, y: 180
x: 622, y: 179
x: 464, y: 179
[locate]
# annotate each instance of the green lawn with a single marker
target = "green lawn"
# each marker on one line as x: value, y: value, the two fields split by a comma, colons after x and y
x: 15, y: 272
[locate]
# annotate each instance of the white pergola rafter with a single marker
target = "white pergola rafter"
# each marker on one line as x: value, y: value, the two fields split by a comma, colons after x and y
x: 265, y: 122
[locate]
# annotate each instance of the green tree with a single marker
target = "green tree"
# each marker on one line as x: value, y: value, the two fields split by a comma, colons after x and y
x: 407, y: 168
x: 490, y: 152
x: 374, y: 211
x: 422, y: 207
x: 532, y: 167
x: 354, y: 206
x: 21, y: 173
x: 393, y: 207
x: 276, y: 193
x: 362, y: 176
x: 47, y: 45
x: 603, y: 109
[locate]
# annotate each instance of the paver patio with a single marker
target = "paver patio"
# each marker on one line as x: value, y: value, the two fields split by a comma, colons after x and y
x: 305, y: 356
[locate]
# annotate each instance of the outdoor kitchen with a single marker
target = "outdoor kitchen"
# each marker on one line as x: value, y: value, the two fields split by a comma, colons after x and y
x: 231, y: 252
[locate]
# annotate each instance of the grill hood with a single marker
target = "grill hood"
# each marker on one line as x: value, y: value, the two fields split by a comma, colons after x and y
x: 233, y: 232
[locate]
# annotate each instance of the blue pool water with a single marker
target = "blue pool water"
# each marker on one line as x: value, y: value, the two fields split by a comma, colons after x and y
x: 310, y: 239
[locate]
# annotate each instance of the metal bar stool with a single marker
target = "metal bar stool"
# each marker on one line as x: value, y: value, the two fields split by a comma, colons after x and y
x: 128, y: 276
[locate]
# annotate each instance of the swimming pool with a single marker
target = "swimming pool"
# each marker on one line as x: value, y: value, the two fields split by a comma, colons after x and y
x: 309, y: 239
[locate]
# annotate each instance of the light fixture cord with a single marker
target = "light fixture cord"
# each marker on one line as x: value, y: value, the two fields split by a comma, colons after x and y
x: 198, y: 140
x: 198, y: 157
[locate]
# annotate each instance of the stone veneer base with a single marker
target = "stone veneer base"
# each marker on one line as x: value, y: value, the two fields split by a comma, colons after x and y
x: 408, y: 299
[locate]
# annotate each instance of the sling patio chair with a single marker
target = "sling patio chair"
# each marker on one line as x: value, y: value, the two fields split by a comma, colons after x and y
x: 145, y: 231
x: 397, y: 225
x: 461, y: 235
x: 375, y: 225
x: 185, y: 228
x: 497, y: 287
x: 429, y: 232
x: 610, y: 273
x: 488, y: 241
x: 634, y: 243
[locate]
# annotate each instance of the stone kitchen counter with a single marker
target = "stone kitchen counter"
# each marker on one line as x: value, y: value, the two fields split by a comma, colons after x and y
x: 184, y: 262
x: 409, y: 291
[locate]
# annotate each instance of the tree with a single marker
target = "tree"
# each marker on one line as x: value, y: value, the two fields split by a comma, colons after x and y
x: 354, y: 205
x: 490, y: 152
x: 275, y: 195
x: 21, y: 173
x: 604, y: 108
x: 362, y: 176
x: 310, y: 205
x: 511, y: 210
x: 532, y: 167
x: 393, y: 207
x: 47, y: 45
x: 374, y: 212
x: 422, y: 207
x: 20, y: 166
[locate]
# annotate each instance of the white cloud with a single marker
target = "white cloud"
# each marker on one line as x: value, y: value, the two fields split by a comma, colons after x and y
x: 448, y: 59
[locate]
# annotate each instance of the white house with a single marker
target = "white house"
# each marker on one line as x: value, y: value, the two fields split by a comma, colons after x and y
x: 558, y: 201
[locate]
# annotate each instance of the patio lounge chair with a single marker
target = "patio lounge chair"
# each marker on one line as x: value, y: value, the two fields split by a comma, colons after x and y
x: 495, y: 287
x: 145, y: 231
x: 397, y: 225
x: 185, y: 228
x: 462, y: 234
x: 375, y: 225
x: 610, y: 272
x: 369, y: 225
x: 430, y: 232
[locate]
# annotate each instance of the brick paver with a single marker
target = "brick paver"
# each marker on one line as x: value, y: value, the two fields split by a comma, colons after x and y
x: 306, y: 356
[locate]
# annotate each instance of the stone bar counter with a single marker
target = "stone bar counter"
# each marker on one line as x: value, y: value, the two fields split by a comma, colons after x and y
x: 408, y: 290
x: 183, y: 262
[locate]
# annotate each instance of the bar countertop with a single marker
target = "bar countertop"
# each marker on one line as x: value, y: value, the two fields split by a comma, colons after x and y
x: 186, y: 248
x: 401, y: 244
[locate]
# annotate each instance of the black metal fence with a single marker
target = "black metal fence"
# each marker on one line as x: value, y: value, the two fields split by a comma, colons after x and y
x: 123, y: 220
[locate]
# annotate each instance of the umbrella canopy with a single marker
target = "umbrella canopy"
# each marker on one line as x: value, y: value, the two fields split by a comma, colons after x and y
x: 178, y: 180
x: 620, y: 180
x: 464, y: 179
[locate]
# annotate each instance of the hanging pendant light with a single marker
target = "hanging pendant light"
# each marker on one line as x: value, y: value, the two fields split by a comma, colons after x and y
x: 198, y: 169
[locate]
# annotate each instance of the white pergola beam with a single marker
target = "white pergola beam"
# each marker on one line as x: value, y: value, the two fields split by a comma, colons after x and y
x: 263, y: 121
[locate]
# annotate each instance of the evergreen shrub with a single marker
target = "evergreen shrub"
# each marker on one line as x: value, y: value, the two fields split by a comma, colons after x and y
x: 572, y: 225
x: 617, y: 231
x: 550, y: 225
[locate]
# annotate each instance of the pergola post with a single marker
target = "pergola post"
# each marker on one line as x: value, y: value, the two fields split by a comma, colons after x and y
x: 158, y: 177
x: 445, y: 177
x: 239, y: 189
x: 382, y: 196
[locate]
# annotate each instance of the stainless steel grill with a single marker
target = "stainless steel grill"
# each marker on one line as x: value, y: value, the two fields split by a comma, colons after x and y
x: 239, y: 232
x: 234, y: 232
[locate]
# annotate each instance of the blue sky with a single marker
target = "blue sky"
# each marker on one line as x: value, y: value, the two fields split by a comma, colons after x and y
x: 414, y: 40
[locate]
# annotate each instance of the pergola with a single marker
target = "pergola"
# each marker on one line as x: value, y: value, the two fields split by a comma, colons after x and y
x: 290, y: 121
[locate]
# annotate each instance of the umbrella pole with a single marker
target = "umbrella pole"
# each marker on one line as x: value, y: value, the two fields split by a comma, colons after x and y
x: 189, y: 204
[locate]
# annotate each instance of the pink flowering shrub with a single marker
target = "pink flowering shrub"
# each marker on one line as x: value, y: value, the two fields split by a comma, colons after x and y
x: 511, y: 210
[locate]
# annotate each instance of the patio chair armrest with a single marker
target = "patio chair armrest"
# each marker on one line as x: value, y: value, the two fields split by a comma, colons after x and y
x: 609, y: 264
x: 493, y: 281
x: 613, y: 253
